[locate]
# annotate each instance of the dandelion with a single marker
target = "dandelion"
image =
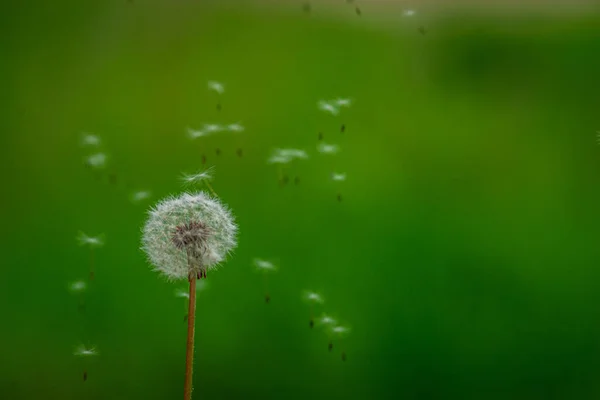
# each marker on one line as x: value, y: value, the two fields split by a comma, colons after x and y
x: 184, y: 237
x: 216, y: 86
x: 78, y: 288
x: 312, y: 298
x: 90, y: 140
x: 265, y: 267
x: 325, y: 148
x: 93, y: 242
x: 328, y: 107
x: 97, y: 160
x: 409, y: 13
x: 338, y: 177
x: 202, y: 177
x: 85, y: 352
x: 340, y: 332
x: 196, y: 133
x: 139, y: 196
x: 219, y: 88
x: 235, y: 127
x: 285, y: 156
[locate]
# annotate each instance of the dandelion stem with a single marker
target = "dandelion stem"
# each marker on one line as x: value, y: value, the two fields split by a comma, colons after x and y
x: 211, y: 189
x: 189, y: 356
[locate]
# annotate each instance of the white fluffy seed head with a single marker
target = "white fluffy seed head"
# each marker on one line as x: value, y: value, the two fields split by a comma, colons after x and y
x: 83, y: 351
x: 77, y: 286
x: 177, y: 259
x: 312, y: 297
x: 91, y: 241
x: 264, y: 265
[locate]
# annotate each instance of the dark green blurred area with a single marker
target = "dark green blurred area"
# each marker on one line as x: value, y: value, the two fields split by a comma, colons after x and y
x: 464, y: 254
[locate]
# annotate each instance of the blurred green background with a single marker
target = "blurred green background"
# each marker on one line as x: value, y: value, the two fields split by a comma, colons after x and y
x: 464, y: 254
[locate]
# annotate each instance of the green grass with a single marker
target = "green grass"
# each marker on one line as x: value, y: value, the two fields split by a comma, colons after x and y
x: 464, y: 253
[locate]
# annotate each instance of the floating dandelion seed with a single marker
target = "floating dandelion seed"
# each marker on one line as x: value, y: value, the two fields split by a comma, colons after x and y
x: 77, y: 286
x: 93, y: 243
x: 97, y: 160
x: 338, y: 177
x: 409, y: 13
x: 82, y: 351
x: 140, y: 195
x: 235, y: 127
x: 326, y: 320
x: 216, y: 86
x: 184, y: 237
x: 265, y: 267
x: 203, y: 177
x: 89, y: 139
x: 213, y: 128
x: 325, y: 148
x: 195, y: 133
x: 279, y: 159
x: 312, y: 298
x: 340, y: 332
x: 328, y: 107
x: 342, y: 102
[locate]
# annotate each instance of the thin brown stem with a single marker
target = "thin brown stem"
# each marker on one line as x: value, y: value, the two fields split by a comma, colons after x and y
x: 189, y: 355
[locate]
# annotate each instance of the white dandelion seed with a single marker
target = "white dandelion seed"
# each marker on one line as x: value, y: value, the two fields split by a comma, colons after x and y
x: 83, y: 351
x: 198, y: 177
x: 235, y: 127
x: 264, y: 265
x: 342, y: 102
x: 196, y: 133
x: 216, y: 86
x: 312, y: 297
x: 284, y: 156
x: 187, y: 235
x: 140, y: 195
x: 325, y: 148
x: 340, y: 331
x: 91, y: 241
x: 338, y: 177
x: 326, y: 320
x: 409, y: 13
x: 328, y: 107
x: 77, y: 286
x: 97, y: 160
x: 89, y: 139
x: 213, y: 128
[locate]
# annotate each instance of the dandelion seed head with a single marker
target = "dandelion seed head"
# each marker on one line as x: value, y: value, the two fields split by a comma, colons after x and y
x: 342, y: 102
x: 339, y: 177
x: 328, y: 107
x: 264, y: 265
x: 188, y: 233
x: 216, y: 86
x: 198, y: 177
x: 325, y: 148
x: 313, y: 297
x: 77, y: 286
x: 89, y: 139
x: 235, y: 127
x: 140, y: 195
x: 83, y: 351
x: 91, y: 241
x: 97, y: 160
x: 326, y: 320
